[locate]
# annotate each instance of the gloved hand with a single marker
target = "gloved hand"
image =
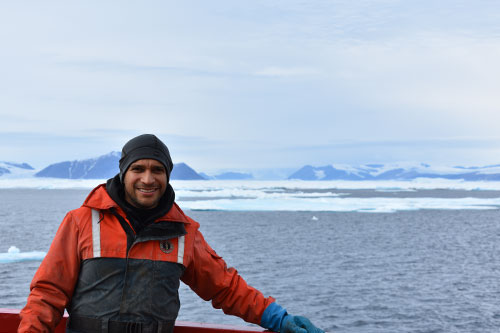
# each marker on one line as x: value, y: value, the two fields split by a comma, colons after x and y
x: 298, y: 324
x: 275, y: 318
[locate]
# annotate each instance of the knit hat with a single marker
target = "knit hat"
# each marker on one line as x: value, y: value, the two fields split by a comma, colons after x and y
x: 145, y: 146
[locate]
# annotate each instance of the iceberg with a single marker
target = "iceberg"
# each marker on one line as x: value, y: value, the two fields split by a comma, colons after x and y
x: 15, y: 255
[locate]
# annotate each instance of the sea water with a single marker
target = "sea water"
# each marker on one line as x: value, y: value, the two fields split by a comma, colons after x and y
x: 351, y: 257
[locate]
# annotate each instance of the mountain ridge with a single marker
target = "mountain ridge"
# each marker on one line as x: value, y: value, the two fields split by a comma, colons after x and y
x: 396, y: 172
x: 106, y: 166
x: 15, y: 169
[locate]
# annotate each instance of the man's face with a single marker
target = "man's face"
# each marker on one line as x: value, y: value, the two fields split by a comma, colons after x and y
x: 145, y: 182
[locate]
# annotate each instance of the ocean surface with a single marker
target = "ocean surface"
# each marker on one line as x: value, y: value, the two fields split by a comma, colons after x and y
x: 351, y: 256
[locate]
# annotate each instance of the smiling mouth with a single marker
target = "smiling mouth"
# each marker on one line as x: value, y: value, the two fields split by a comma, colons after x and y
x: 144, y: 190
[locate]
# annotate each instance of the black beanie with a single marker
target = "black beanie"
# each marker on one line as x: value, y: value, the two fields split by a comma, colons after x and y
x: 145, y: 146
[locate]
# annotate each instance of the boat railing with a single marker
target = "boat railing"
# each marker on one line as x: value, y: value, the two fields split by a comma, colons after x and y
x: 9, y: 322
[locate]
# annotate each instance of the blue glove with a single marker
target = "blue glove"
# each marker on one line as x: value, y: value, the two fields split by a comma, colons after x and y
x: 298, y: 324
x: 275, y: 318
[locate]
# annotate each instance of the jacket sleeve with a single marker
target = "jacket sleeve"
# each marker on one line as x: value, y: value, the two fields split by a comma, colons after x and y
x: 54, y: 282
x: 208, y: 276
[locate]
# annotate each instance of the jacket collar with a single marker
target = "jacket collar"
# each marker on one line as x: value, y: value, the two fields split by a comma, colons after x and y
x: 99, y: 199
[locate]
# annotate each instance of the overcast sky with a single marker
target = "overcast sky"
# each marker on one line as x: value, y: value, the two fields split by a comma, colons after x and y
x: 252, y: 84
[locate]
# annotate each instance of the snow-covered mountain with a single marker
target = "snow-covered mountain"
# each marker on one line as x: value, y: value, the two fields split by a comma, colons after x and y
x: 14, y: 170
x: 104, y: 167
x: 182, y: 171
x: 395, y: 172
x: 233, y: 176
x: 230, y: 175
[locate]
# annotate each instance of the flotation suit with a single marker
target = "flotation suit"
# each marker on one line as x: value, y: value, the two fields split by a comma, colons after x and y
x: 109, y: 277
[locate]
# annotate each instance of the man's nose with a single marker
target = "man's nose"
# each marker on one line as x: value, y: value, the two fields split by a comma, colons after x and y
x: 147, y: 177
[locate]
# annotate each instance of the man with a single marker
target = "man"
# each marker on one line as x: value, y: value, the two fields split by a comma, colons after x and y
x: 116, y: 262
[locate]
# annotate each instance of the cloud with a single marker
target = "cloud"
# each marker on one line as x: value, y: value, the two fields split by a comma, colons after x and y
x: 254, y: 76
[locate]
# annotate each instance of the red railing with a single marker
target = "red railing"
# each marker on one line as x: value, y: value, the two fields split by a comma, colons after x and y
x: 9, y: 321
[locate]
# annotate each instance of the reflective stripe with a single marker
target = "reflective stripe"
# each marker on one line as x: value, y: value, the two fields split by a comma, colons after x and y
x: 96, y: 234
x: 180, y: 252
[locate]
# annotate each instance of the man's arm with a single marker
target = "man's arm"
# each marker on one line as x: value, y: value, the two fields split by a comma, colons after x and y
x: 208, y: 275
x: 54, y: 281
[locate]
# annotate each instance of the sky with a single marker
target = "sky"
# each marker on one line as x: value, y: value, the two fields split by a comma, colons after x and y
x: 240, y: 85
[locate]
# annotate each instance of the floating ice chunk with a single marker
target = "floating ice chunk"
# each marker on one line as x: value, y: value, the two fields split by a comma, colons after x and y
x: 339, y: 204
x: 14, y: 255
x: 314, y: 218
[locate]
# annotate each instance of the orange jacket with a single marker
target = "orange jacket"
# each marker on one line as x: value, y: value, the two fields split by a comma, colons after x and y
x: 94, y: 268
